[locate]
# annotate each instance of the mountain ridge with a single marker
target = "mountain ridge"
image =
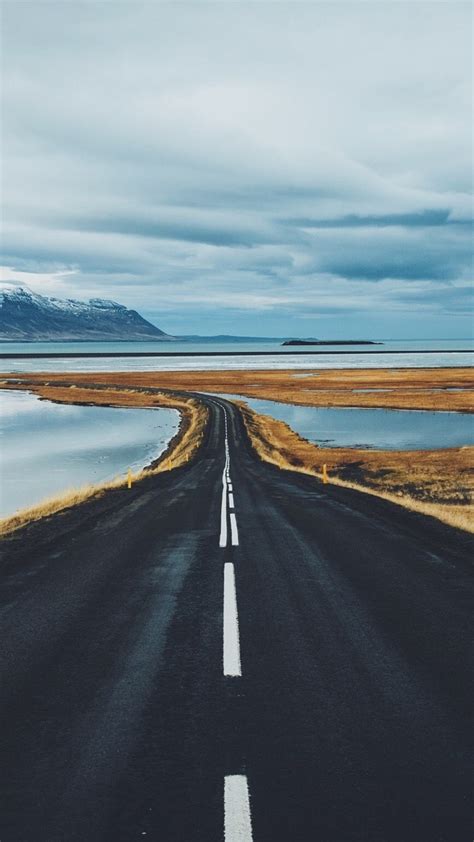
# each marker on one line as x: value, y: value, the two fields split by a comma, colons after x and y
x: 27, y: 316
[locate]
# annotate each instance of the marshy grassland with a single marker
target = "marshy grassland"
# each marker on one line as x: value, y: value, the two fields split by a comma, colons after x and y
x: 390, y: 388
x: 439, y: 483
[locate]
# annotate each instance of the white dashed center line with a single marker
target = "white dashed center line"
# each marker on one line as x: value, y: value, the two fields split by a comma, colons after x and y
x: 237, y: 818
x: 231, y: 646
x: 227, y: 498
x: 223, y: 535
x: 233, y: 530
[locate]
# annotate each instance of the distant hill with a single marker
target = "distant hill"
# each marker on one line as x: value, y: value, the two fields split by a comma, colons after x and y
x: 227, y: 337
x: 330, y: 342
x: 26, y: 316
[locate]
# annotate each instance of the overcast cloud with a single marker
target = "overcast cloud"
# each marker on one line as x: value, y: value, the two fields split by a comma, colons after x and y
x: 265, y: 167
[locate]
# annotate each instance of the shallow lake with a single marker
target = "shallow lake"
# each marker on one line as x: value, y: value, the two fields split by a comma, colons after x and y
x: 382, y: 429
x: 47, y: 448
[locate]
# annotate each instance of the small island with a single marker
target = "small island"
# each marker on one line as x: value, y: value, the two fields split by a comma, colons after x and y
x: 330, y: 342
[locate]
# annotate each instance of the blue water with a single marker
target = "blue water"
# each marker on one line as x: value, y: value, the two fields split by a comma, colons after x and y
x: 280, y: 357
x: 47, y: 448
x: 380, y: 429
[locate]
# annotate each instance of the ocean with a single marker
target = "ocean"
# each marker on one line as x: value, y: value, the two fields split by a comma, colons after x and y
x: 266, y: 354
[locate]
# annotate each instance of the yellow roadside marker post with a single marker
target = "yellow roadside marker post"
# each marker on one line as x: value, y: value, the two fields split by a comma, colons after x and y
x: 129, y: 479
x: 325, y: 474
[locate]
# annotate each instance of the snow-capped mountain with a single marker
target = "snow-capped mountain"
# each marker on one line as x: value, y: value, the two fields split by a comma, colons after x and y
x: 27, y: 316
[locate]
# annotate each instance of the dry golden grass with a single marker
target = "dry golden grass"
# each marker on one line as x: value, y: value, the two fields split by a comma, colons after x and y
x: 414, y: 388
x: 439, y: 483
x: 53, y: 505
x: 181, y: 449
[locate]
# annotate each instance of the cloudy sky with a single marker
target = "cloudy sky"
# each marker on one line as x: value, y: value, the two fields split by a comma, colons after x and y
x: 263, y: 168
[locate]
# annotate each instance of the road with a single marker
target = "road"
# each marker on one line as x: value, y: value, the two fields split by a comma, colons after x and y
x: 229, y: 651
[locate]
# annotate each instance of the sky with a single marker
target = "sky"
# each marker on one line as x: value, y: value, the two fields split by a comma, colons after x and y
x: 257, y: 168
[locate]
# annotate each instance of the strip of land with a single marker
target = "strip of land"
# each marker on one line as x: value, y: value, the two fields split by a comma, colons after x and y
x: 409, y: 388
x: 437, y: 482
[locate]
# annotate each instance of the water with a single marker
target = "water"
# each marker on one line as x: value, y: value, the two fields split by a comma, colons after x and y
x: 380, y: 429
x: 448, y: 353
x: 47, y: 448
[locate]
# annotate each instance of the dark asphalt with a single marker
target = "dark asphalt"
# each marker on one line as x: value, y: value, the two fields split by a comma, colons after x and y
x: 351, y: 719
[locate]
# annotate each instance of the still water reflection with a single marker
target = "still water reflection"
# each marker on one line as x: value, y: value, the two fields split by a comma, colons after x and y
x: 383, y: 429
x: 47, y: 448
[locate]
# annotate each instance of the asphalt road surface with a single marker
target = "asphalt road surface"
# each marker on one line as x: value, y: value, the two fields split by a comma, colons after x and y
x: 229, y: 651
